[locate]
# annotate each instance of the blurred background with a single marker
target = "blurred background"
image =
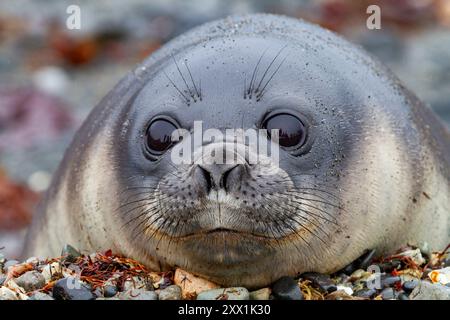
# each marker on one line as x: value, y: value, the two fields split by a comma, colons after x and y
x: 51, y: 77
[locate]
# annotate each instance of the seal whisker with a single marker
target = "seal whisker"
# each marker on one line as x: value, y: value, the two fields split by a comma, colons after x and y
x: 250, y: 88
x: 314, y: 223
x: 293, y: 218
x: 261, y: 93
x: 192, y: 79
x: 140, y: 214
x: 145, y: 204
x: 302, y: 192
x: 270, y: 64
x: 184, y: 79
x: 298, y: 193
x: 334, y: 221
x: 149, y: 201
x: 179, y: 91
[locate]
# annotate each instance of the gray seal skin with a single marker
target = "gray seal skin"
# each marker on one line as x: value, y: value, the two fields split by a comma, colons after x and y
x: 372, y: 174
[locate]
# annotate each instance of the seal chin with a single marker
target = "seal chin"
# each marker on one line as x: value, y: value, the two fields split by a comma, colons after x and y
x: 226, y: 246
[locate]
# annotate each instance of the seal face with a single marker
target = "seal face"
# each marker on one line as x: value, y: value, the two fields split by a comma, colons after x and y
x: 361, y: 162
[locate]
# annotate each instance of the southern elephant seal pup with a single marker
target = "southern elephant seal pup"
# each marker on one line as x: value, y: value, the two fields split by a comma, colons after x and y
x: 363, y: 164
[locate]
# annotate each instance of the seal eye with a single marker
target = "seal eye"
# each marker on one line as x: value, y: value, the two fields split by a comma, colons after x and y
x: 292, y: 130
x: 159, y: 135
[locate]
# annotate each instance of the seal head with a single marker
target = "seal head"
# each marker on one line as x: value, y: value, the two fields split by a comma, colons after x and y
x: 362, y: 164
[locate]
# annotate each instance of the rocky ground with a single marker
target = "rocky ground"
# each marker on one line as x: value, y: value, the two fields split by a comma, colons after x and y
x: 410, y: 274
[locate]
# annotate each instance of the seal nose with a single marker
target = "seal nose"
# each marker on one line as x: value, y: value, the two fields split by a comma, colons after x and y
x: 220, y: 176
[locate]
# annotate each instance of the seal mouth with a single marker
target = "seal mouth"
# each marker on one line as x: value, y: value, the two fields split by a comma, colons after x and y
x: 225, y: 232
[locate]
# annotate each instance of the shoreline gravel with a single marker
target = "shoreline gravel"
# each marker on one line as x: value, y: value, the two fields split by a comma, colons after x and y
x: 410, y: 274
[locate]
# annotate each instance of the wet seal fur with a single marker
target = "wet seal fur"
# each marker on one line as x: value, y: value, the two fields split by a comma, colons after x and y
x: 375, y: 174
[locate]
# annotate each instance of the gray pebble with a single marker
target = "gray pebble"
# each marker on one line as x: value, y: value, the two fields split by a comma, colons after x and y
x: 362, y: 262
x: 428, y: 291
x: 389, y: 281
x: 286, y: 288
x: 402, y: 296
x: 235, y: 293
x: 170, y: 293
x: 40, y: 296
x: 71, y: 289
x: 409, y: 286
x: 365, y: 293
x: 109, y: 291
x: 98, y: 292
x: 447, y: 261
x: 2, y: 279
x: 31, y: 280
x: 7, y: 294
x: 137, y: 294
x: 9, y: 263
x: 70, y: 253
x: 388, y: 294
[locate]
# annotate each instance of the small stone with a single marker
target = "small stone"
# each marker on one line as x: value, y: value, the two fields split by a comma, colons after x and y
x: 362, y: 262
x: 237, y: 293
x: 191, y: 285
x: 415, y: 255
x: 9, y: 263
x: 137, y: 283
x: 409, y: 286
x: 40, y: 296
x: 71, y: 289
x: 322, y: 281
x: 389, y: 281
x: 162, y: 283
x: 20, y: 292
x: 32, y: 260
x: 70, y: 253
x: 402, y: 296
x: 2, y: 258
x: 286, y: 288
x: 346, y: 289
x: 441, y: 276
x: 341, y: 295
x: 170, y: 293
x: 31, y: 280
x: 7, y: 294
x: 447, y: 261
x: 365, y: 293
x: 358, y: 274
x: 425, y: 249
x: 428, y: 291
x: 50, y: 270
x: 98, y: 292
x: 2, y: 279
x: 109, y: 291
x: 261, y: 294
x: 388, y: 294
x: 137, y: 294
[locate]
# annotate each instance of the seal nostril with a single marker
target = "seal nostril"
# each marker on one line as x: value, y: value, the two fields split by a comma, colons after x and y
x: 208, y: 179
x: 231, y: 177
x: 223, y: 182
